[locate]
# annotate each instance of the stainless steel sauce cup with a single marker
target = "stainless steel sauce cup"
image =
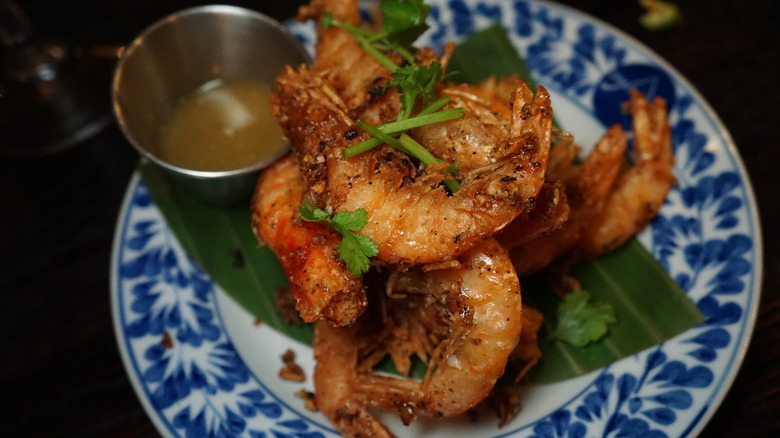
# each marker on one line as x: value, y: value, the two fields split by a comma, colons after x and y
x: 178, y: 54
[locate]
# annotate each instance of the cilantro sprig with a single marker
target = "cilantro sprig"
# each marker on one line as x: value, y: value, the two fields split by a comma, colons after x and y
x: 402, y: 23
x: 354, y: 249
x: 409, y: 146
x: 582, y: 321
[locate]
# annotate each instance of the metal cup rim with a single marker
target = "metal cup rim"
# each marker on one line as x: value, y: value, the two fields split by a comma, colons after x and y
x: 217, y: 9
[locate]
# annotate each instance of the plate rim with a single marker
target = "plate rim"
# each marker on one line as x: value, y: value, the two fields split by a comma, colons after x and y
x: 153, y: 414
x: 754, y: 289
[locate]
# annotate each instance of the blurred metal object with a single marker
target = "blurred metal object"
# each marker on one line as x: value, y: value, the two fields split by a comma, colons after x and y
x: 46, y: 104
x: 178, y: 54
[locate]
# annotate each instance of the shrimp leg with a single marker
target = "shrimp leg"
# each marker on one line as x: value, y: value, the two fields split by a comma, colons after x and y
x: 336, y: 353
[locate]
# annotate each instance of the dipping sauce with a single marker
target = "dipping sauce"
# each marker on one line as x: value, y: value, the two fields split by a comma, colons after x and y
x: 223, y: 125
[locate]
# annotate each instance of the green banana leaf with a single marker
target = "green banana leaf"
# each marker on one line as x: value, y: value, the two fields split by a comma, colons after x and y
x: 650, y: 307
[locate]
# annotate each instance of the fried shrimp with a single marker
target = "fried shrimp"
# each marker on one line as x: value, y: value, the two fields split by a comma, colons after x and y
x: 410, y: 217
x: 609, y: 200
x: 471, y: 310
x: 336, y: 351
x: 322, y: 285
x: 353, y: 74
x: 641, y: 190
x: 585, y: 187
x: 491, y: 109
x: 444, y: 284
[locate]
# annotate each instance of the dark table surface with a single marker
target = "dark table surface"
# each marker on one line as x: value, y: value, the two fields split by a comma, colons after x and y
x: 60, y: 369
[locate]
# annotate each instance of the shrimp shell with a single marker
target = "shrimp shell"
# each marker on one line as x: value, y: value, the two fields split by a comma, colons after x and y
x: 410, y: 217
x: 610, y: 200
x: 320, y: 282
x: 640, y: 191
x: 478, y: 311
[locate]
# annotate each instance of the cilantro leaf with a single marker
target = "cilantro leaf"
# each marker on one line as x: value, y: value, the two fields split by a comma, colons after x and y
x: 403, y: 21
x: 310, y: 213
x: 581, y: 321
x: 415, y: 82
x: 351, y: 220
x: 354, y: 249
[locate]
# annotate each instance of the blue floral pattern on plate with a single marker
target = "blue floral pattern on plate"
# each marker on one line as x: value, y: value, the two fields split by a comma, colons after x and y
x: 194, y: 382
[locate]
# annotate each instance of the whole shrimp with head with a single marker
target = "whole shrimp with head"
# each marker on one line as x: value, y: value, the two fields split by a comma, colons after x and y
x: 610, y: 200
x: 463, y: 320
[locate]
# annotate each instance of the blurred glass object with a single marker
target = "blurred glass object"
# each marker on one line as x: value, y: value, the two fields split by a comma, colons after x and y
x: 48, y: 101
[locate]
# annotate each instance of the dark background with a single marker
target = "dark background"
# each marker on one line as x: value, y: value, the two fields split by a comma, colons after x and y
x: 60, y: 369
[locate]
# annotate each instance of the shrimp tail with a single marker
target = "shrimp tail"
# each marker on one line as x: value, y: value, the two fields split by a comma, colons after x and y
x: 640, y: 191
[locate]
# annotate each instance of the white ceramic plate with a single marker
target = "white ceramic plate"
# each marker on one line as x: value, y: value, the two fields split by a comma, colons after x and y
x: 202, y: 368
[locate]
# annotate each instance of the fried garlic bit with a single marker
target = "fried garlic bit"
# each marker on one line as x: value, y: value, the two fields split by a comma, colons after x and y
x: 291, y: 370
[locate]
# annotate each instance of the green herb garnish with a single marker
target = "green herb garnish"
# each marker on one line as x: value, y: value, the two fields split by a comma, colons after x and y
x: 409, y: 146
x: 421, y: 119
x: 354, y: 249
x: 403, y: 22
x: 582, y: 321
x: 416, y: 83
